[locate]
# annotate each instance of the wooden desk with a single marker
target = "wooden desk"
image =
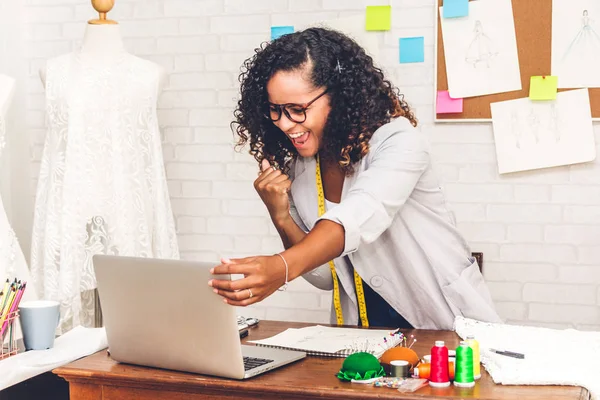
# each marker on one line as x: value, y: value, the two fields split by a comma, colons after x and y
x: 98, y: 377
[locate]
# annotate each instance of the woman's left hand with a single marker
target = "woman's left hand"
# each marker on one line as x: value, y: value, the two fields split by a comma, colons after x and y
x: 263, y: 275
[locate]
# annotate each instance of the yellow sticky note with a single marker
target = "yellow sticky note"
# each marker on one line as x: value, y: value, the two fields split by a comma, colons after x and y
x: 543, y: 87
x: 379, y: 18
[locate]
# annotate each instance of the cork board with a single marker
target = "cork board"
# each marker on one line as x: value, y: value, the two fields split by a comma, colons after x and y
x: 533, y: 29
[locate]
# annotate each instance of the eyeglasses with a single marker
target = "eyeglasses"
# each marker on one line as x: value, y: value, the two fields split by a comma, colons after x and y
x: 294, y: 112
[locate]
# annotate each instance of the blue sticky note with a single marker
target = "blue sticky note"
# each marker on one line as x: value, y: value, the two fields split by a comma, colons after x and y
x: 412, y: 50
x: 277, y: 31
x: 456, y: 8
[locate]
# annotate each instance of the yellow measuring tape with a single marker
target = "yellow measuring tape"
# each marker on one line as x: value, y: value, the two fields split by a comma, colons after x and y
x: 360, y: 293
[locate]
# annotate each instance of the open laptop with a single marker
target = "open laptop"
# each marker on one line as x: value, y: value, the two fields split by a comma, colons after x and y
x: 162, y: 313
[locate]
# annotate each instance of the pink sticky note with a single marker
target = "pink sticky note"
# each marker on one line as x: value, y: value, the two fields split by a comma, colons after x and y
x: 446, y: 104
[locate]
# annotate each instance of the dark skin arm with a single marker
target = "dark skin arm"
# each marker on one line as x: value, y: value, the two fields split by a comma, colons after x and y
x: 289, y: 232
x: 272, y: 186
x: 263, y: 275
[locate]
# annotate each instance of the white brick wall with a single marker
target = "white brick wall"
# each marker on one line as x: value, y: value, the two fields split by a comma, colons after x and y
x: 538, y: 230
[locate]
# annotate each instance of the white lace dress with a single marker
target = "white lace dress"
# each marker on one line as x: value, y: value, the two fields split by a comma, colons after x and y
x: 12, y: 261
x: 102, y: 186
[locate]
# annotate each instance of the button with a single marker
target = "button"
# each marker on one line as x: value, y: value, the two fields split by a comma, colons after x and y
x: 376, y: 281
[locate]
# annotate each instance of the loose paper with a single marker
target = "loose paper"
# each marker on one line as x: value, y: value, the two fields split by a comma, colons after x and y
x: 77, y: 343
x: 333, y: 341
x: 532, y: 134
x: 412, y: 50
x: 379, y: 18
x: 447, y: 105
x: 456, y: 8
x: 543, y: 87
x: 481, y: 50
x: 278, y: 31
x: 576, y: 43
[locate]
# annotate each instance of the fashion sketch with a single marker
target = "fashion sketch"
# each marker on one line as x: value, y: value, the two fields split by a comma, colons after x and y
x: 541, y: 134
x: 482, y: 50
x: 586, y: 43
x: 554, y: 122
x: 515, y: 128
x: 533, y: 120
x: 527, y: 123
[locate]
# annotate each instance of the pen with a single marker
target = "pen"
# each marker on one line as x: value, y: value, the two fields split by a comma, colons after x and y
x: 508, y: 353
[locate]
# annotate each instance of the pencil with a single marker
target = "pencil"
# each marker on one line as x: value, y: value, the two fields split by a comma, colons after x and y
x: 4, y: 314
x: 5, y: 290
x: 7, y: 296
x: 13, y: 308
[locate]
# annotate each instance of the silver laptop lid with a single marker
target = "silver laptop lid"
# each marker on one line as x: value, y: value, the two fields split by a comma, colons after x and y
x: 162, y: 313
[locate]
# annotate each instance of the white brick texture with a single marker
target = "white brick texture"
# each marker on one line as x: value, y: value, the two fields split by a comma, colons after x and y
x: 539, y: 230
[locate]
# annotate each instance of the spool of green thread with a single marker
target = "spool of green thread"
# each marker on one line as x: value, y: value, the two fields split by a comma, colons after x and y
x: 463, y: 374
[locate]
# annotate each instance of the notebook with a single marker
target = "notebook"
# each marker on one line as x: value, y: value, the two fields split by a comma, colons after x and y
x: 326, y: 341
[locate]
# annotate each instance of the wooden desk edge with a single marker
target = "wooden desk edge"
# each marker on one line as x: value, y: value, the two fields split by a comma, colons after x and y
x: 92, y: 382
x: 95, y: 384
x: 89, y: 379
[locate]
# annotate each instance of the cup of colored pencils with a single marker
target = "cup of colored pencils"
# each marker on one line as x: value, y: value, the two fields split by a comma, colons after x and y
x: 10, y: 297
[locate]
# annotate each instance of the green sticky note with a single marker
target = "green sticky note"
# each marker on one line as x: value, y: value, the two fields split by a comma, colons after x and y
x: 543, y: 87
x: 379, y: 18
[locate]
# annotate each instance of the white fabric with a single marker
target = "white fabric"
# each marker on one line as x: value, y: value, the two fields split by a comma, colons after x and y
x: 15, y: 177
x: 552, y: 357
x: 399, y: 234
x: 77, y: 343
x: 102, y: 186
x: 12, y: 261
x: 343, y: 267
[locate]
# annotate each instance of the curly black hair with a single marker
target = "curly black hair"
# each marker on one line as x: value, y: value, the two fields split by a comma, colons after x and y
x: 361, y: 99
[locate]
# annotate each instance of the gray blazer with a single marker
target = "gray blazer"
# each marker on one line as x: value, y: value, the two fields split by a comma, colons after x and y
x: 399, y: 235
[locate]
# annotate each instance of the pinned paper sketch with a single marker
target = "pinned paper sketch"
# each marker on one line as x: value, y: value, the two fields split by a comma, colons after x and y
x: 481, y: 50
x: 531, y: 134
x: 576, y: 42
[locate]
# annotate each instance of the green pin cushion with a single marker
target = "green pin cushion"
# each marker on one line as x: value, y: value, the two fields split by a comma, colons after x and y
x: 360, y: 366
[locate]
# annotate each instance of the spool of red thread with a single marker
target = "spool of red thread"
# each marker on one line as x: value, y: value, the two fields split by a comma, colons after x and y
x: 439, y: 376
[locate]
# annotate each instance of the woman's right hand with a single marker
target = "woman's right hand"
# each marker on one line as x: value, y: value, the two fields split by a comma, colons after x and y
x: 272, y: 187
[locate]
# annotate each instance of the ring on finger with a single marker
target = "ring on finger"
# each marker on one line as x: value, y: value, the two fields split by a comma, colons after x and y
x: 250, y: 295
x: 274, y: 168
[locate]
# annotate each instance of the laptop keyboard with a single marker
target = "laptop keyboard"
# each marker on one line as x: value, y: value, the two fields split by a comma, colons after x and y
x: 251, y: 363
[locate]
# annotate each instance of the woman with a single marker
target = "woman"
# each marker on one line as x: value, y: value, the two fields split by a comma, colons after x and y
x: 333, y: 137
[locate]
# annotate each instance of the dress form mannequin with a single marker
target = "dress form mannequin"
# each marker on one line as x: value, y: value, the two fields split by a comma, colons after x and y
x: 102, y: 186
x: 102, y: 43
x: 7, y: 91
x: 12, y: 261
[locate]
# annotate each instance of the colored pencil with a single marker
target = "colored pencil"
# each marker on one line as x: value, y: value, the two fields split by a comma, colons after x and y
x: 4, y: 313
x: 13, y: 308
x: 5, y: 290
x: 7, y: 297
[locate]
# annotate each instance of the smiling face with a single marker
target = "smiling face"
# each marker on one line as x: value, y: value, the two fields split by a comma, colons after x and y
x: 295, y: 87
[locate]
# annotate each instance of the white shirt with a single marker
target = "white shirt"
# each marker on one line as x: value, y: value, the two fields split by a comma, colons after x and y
x: 399, y: 235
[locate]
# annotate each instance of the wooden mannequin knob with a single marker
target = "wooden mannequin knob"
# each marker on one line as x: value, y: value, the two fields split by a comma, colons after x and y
x: 103, y: 7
